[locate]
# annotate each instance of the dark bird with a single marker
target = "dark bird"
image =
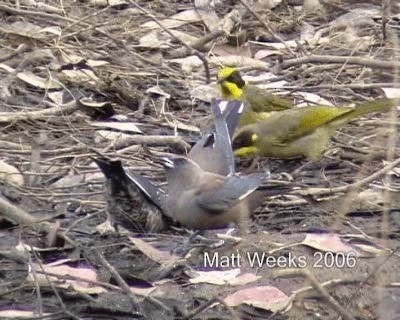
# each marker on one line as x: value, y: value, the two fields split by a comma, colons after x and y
x: 133, y: 202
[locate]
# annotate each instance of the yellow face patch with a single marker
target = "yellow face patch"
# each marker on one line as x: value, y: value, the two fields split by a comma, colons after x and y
x: 225, y: 72
x: 254, y: 137
x: 230, y: 90
x: 245, y: 151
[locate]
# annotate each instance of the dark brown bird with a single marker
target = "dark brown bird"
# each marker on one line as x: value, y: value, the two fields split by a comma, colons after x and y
x: 133, y: 202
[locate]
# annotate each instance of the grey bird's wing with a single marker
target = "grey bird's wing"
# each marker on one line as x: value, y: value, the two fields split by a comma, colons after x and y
x: 154, y: 193
x: 233, y: 189
x: 231, y: 110
x: 223, y: 137
x: 213, y: 152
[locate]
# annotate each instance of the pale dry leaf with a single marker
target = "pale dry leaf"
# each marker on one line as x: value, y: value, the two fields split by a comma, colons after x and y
x: 99, y: 3
x: 175, y: 21
x: 108, y: 135
x: 188, y: 64
x: 38, y: 82
x: 10, y: 174
x: 42, y: 6
x: 203, y: 92
x: 53, y: 30
x: 65, y: 270
x: 79, y: 76
x: 18, y: 314
x: 117, y: 3
x: 24, y: 29
x: 205, y: 9
x: 359, y: 17
x: 367, y: 200
x: 40, y: 56
x: 266, y: 4
x: 159, y: 39
x: 222, y: 50
x: 293, y: 44
x: 69, y: 181
x: 328, y: 242
x: 265, y: 297
x: 6, y: 68
x: 261, y: 54
x: 238, y: 61
x: 96, y: 63
x: 161, y: 289
x: 120, y: 126
x: 222, y: 277
x: 307, y: 31
x: 57, y: 97
x: 391, y: 92
x: 312, y: 98
x: 105, y: 227
x: 158, y: 91
x: 162, y: 257
x: 311, y: 6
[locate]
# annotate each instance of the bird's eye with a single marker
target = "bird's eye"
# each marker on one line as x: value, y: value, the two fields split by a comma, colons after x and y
x: 236, y: 79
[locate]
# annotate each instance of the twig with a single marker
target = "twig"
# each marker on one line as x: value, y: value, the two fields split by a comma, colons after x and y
x: 353, y: 186
x: 121, y: 282
x: 21, y: 217
x: 35, y: 115
x: 386, y: 65
x: 317, y: 286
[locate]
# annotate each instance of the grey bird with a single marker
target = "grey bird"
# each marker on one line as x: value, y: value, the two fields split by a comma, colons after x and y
x: 133, y: 201
x: 203, y: 200
x: 213, y: 152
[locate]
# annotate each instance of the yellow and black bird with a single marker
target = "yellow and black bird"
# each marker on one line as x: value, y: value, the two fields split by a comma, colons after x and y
x: 133, y: 201
x: 302, y: 131
x: 258, y: 102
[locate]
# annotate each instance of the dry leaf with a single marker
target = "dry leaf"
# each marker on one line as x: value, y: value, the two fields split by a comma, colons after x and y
x: 222, y: 277
x: 61, y: 270
x: 328, y: 242
x: 175, y: 21
x: 154, y: 254
x: 120, y: 126
x: 391, y: 92
x: 266, y: 297
x: 10, y: 174
x: 188, y: 64
x: 38, y: 82
x: 19, y: 314
x: 313, y: 98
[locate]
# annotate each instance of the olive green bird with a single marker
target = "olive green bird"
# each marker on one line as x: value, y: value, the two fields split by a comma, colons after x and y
x: 302, y: 131
x: 258, y: 102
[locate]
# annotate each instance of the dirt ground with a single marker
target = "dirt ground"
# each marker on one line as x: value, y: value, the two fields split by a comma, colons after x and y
x: 120, y: 78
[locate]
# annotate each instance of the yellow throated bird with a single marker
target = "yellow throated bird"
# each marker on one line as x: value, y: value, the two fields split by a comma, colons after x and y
x: 259, y: 103
x: 301, y: 131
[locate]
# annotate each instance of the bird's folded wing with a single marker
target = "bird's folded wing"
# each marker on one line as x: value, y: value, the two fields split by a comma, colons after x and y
x: 231, y: 110
x: 154, y: 193
x: 224, y: 195
x: 223, y: 134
